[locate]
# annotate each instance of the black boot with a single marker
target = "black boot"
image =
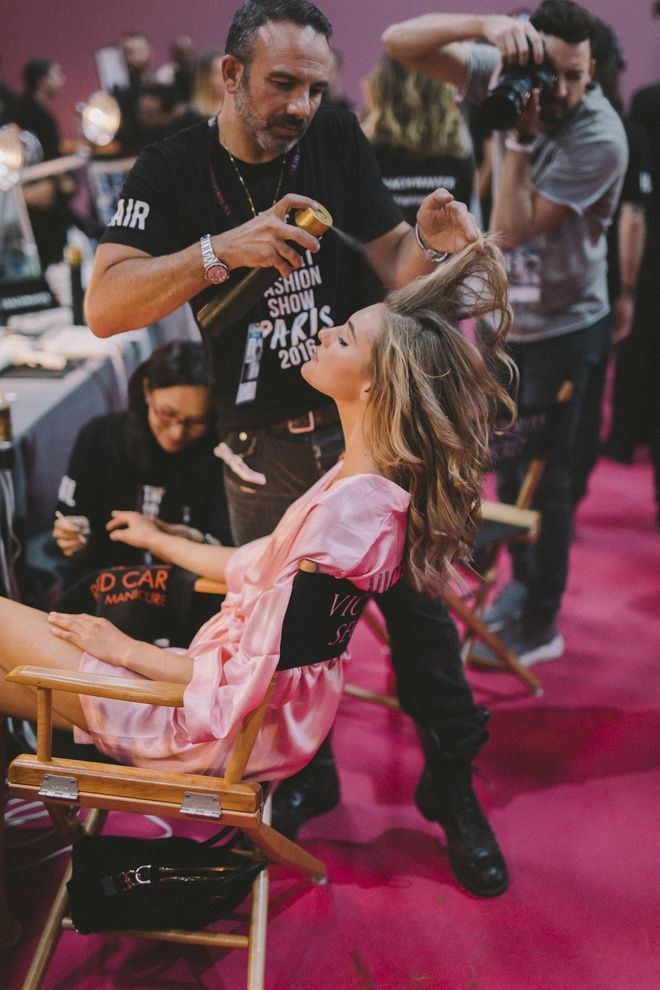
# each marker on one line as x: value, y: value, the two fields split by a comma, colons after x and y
x: 445, y: 795
x: 314, y: 790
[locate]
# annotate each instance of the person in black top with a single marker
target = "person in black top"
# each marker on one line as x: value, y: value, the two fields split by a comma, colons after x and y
x: 48, y: 199
x: 138, y: 55
x: 636, y: 413
x: 419, y: 139
x: 43, y: 78
x: 625, y: 247
x: 196, y: 211
x: 156, y: 457
x: 418, y: 135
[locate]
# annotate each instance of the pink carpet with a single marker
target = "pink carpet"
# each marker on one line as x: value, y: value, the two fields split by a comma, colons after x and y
x: 569, y: 781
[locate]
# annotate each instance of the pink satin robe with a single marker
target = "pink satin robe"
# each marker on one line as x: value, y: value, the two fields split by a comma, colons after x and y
x: 353, y: 529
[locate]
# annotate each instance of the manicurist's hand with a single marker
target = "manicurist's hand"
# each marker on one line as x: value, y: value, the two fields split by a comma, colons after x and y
x: 71, y: 533
x: 133, y: 528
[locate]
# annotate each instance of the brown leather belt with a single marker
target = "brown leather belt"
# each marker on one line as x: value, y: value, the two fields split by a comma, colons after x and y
x: 312, y: 420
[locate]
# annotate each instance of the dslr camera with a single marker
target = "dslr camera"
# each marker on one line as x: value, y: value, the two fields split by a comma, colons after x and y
x: 508, y: 97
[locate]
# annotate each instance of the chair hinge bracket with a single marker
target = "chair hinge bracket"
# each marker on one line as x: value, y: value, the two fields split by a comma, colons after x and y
x: 201, y: 805
x: 59, y: 788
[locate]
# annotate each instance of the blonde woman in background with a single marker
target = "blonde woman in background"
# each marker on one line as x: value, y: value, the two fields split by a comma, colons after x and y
x: 421, y: 143
x: 418, y: 135
x: 208, y: 89
x: 206, y: 92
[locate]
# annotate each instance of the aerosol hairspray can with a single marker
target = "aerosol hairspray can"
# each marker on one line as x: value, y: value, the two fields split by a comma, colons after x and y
x: 233, y: 302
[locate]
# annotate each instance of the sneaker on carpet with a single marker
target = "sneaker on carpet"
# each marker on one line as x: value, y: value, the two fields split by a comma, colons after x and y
x: 507, y: 606
x: 531, y: 645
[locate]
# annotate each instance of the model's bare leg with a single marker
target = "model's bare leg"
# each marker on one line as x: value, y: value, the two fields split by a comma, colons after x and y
x: 26, y: 638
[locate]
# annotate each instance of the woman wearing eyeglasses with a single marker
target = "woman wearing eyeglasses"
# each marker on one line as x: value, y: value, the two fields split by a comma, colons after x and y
x: 155, y: 457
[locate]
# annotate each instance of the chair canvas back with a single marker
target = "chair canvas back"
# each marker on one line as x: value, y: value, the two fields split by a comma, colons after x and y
x: 537, y: 433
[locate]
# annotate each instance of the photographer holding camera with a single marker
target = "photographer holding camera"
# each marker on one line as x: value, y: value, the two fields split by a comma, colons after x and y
x: 557, y: 178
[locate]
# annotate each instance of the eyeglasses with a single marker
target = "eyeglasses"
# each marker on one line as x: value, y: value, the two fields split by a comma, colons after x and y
x: 167, y: 418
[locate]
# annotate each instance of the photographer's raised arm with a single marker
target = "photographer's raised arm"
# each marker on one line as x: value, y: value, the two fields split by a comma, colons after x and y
x: 130, y: 288
x: 519, y: 212
x: 432, y: 43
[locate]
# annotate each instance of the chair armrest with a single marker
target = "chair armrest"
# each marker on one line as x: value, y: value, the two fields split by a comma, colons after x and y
x: 162, y: 693
x: 510, y: 515
x: 208, y: 587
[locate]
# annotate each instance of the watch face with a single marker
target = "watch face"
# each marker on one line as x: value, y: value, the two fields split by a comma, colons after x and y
x: 216, y: 274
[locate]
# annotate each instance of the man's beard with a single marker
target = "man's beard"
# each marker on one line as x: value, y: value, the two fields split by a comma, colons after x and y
x: 262, y: 129
x: 553, y: 113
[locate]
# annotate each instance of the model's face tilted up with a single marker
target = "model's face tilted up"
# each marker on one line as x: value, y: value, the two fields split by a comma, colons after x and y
x: 340, y: 366
x: 177, y: 415
x: 277, y: 94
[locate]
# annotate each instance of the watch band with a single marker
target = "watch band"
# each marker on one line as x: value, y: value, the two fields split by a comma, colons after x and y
x: 212, y: 264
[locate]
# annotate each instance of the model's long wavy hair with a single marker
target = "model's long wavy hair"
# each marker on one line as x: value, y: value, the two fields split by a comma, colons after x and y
x: 411, y: 112
x: 434, y: 399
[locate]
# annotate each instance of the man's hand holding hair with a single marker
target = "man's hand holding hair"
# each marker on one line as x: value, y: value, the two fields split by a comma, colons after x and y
x: 446, y: 225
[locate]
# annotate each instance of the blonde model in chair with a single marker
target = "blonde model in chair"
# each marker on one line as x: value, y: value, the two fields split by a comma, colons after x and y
x: 416, y: 402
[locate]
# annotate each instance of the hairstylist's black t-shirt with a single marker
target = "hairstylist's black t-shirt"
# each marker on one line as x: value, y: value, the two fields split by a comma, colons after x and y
x: 186, y: 186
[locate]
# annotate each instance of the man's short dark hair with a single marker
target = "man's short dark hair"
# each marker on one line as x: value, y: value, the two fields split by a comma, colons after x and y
x: 566, y: 20
x: 252, y: 14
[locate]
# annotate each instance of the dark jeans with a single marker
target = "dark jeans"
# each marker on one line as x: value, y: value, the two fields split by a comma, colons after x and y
x: 579, y: 357
x: 425, y: 648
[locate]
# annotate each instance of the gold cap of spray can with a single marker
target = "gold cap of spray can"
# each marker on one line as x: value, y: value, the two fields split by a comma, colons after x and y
x: 315, y: 220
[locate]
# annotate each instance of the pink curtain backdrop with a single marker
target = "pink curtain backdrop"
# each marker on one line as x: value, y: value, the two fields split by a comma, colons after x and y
x: 71, y: 30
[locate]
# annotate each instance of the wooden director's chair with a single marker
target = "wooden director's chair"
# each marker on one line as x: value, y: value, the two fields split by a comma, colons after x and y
x: 536, y: 434
x: 314, y: 629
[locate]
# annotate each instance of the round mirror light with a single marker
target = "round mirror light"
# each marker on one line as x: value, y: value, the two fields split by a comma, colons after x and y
x: 100, y: 118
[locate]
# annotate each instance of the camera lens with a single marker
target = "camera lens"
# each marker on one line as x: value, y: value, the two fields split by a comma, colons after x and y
x: 506, y: 102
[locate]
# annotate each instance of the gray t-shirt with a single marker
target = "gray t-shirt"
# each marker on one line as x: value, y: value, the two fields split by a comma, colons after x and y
x: 558, y: 281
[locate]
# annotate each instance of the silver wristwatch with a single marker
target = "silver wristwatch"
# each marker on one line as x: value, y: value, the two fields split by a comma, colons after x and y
x: 215, y: 271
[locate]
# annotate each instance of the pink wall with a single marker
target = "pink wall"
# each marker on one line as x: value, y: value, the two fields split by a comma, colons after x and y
x: 70, y: 30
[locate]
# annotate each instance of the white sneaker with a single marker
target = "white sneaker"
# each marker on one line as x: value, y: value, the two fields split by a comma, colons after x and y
x: 530, y: 648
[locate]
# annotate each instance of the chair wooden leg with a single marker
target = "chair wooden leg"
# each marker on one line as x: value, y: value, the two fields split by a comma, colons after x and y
x: 10, y: 929
x: 281, y: 850
x: 259, y: 919
x: 362, y: 694
x: 52, y: 929
x: 50, y: 936
x: 493, y: 642
x: 258, y: 924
